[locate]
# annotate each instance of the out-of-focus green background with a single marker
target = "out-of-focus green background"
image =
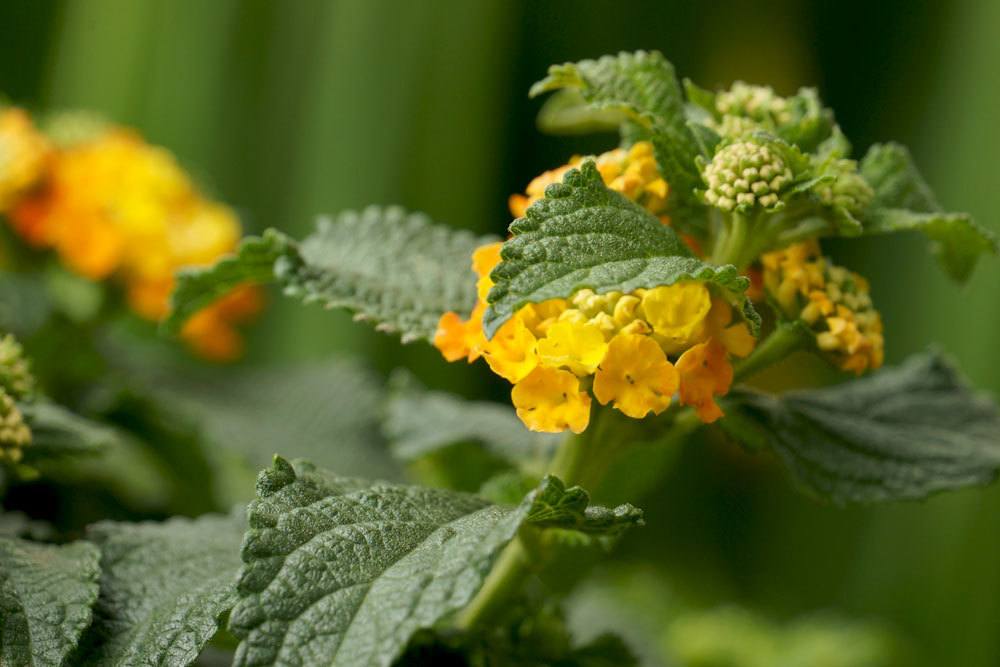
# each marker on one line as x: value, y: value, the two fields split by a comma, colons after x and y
x: 291, y: 108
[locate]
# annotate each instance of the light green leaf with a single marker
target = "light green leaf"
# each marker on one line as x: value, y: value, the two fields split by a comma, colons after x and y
x: 890, y: 170
x: 900, y: 433
x: 396, y: 269
x: 642, y: 85
x: 46, y: 593
x: 341, y: 572
x: 583, y: 235
x: 419, y: 422
x: 555, y: 506
x: 253, y: 262
x: 163, y: 588
x: 55, y: 431
x: 956, y: 240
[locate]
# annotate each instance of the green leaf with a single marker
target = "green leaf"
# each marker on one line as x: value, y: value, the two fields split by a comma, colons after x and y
x: 342, y: 572
x: 890, y: 170
x: 642, y: 85
x: 900, y: 433
x: 163, y: 588
x: 25, y: 304
x: 583, y: 235
x: 299, y: 409
x: 419, y: 422
x: 396, y: 269
x: 253, y: 262
x: 46, y: 593
x: 555, y: 506
x: 956, y: 240
x: 55, y: 431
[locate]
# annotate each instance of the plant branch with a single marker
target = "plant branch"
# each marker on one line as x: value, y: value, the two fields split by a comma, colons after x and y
x: 787, y: 338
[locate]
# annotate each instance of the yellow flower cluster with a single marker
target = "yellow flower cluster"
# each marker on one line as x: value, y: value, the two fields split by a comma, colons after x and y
x: 835, y: 303
x: 634, y: 351
x: 632, y: 172
x: 112, y: 205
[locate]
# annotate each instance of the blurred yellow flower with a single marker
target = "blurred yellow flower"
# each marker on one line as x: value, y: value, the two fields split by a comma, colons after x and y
x: 23, y: 151
x: 550, y: 400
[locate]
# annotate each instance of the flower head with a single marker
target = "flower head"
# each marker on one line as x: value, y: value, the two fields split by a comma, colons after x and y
x: 834, y: 302
x: 636, y: 376
x: 550, y: 400
x: 746, y: 174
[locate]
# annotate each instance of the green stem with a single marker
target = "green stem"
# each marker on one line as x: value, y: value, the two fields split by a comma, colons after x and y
x: 731, y: 243
x: 578, y: 461
x: 788, y: 337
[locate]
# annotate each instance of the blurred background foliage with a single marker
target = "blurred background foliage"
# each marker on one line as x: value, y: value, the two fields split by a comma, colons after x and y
x: 289, y: 109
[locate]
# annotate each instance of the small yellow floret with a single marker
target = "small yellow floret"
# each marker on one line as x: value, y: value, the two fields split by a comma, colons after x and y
x: 636, y: 376
x: 577, y: 346
x: 550, y: 400
x: 677, y: 312
x: 512, y: 352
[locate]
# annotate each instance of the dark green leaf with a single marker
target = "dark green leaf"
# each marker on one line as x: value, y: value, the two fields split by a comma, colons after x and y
x: 900, y: 433
x: 253, y: 262
x: 419, y: 421
x: 584, y: 235
x: 643, y: 86
x: 342, y: 572
x: 55, y: 431
x: 956, y: 240
x: 163, y: 588
x: 396, y: 269
x: 46, y: 593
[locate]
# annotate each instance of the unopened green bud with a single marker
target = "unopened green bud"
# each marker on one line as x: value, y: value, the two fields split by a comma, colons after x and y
x: 15, y: 374
x: 759, y: 103
x: 849, y: 190
x: 746, y: 174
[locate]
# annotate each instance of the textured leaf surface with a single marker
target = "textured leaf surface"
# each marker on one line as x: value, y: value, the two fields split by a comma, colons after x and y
x: 46, y: 593
x: 900, y: 433
x: 342, y: 572
x: 163, y: 588
x: 396, y: 269
x: 253, y: 262
x: 326, y: 411
x: 555, y: 506
x: 419, y: 421
x: 584, y: 235
x: 890, y: 170
x: 644, y: 86
x: 956, y: 240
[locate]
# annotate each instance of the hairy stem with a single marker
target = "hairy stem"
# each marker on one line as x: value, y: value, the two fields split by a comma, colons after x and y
x: 580, y: 460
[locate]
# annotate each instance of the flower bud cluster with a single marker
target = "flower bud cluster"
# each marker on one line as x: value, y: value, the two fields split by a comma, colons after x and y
x: 633, y: 351
x: 112, y: 206
x: 833, y: 301
x: 14, y: 432
x: 632, y: 172
x: 848, y: 190
x: 15, y: 374
x: 744, y: 175
x: 758, y: 103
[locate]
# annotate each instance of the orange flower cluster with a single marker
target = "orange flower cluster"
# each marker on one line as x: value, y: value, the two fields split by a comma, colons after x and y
x: 113, y: 206
x: 634, y: 351
x: 833, y: 301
